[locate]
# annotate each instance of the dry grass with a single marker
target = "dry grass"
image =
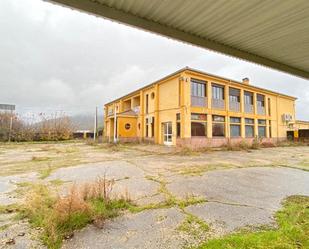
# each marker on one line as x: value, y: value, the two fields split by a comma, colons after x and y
x: 59, y: 216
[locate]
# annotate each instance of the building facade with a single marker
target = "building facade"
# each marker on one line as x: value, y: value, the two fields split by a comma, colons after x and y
x: 193, y: 108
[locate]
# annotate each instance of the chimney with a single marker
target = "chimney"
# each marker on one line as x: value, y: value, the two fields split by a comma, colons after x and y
x: 245, y: 81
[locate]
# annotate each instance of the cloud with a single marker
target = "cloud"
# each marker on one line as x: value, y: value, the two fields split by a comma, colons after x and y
x: 57, y: 58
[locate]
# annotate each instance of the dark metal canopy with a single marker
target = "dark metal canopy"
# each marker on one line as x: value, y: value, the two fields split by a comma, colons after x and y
x: 273, y: 33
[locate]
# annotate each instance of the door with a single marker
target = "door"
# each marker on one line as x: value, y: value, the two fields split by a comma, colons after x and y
x: 167, y: 133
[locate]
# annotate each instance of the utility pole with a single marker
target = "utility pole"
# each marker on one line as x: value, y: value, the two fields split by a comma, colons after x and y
x: 115, y: 125
x: 95, y: 123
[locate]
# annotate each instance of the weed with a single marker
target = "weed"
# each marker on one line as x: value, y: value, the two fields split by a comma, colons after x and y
x: 57, y: 182
x: 39, y: 159
x: 187, y: 151
x: 44, y: 173
x: 61, y: 216
x: 194, y: 226
x: 292, y: 230
x: 170, y: 199
x: 256, y: 144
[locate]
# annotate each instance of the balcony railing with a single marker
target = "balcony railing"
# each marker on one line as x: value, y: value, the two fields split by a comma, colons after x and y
x: 249, y: 108
x: 217, y: 103
x: 110, y: 112
x: 234, y: 106
x: 261, y: 110
x: 137, y: 109
x: 198, y: 101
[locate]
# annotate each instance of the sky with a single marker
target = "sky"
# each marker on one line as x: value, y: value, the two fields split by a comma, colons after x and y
x: 57, y: 59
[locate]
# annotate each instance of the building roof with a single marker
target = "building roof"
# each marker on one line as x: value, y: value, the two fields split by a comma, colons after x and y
x: 270, y: 33
x: 204, y: 73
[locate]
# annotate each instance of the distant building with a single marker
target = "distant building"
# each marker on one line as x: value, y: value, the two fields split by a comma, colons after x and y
x: 190, y: 107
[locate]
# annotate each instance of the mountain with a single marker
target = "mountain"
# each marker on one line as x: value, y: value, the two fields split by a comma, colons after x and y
x: 85, y: 122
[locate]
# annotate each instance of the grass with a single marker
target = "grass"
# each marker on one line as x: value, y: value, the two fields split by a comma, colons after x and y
x: 170, y: 199
x: 60, y: 216
x: 198, y: 170
x: 194, y: 226
x: 44, y: 173
x: 292, y: 232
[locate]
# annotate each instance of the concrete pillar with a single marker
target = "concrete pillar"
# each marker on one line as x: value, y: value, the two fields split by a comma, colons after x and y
x: 156, y: 114
x: 255, y: 127
x: 226, y: 98
x: 185, y: 120
x: 209, y: 95
x: 227, y: 126
x: 142, y: 113
x: 121, y: 106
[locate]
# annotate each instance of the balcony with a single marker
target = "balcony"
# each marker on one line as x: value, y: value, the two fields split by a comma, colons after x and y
x: 249, y: 108
x: 261, y: 110
x: 217, y: 103
x: 110, y: 112
x: 137, y: 109
x: 234, y: 106
x: 198, y: 101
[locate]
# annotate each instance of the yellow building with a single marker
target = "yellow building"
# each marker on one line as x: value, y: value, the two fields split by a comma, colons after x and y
x: 194, y: 108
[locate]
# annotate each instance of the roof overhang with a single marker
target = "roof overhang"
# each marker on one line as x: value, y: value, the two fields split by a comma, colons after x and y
x: 270, y: 33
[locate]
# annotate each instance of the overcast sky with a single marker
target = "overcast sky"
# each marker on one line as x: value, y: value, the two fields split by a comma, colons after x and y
x: 54, y: 58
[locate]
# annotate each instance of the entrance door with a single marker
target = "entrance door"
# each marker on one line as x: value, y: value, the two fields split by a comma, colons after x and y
x: 167, y: 133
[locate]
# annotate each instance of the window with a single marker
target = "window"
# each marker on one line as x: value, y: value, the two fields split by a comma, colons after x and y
x: 218, y: 126
x: 235, y: 127
x: 217, y: 91
x: 146, y: 127
x: 178, y: 127
x: 234, y: 95
x: 262, y: 122
x: 249, y: 121
x: 198, y: 124
x: 198, y: 116
x: 235, y: 130
x: 270, y: 129
x: 234, y: 120
x: 260, y: 100
x: 198, y: 88
x: 262, y: 131
x: 248, y: 98
x: 198, y: 129
x: 147, y: 99
x: 262, y: 128
x: 127, y: 126
x: 152, y: 127
x: 269, y: 107
x: 152, y: 95
x: 249, y: 127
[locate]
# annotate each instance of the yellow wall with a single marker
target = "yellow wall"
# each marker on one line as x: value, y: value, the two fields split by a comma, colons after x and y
x: 122, y: 131
x: 172, y: 95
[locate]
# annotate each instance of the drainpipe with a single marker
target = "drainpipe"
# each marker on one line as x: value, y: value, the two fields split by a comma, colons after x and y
x: 115, y: 125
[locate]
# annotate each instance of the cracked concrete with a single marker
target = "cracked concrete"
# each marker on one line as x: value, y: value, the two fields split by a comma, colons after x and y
x: 243, y: 189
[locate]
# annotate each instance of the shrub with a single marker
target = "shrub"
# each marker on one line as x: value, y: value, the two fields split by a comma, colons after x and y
x: 43, y: 127
x: 60, y: 216
x: 256, y: 143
